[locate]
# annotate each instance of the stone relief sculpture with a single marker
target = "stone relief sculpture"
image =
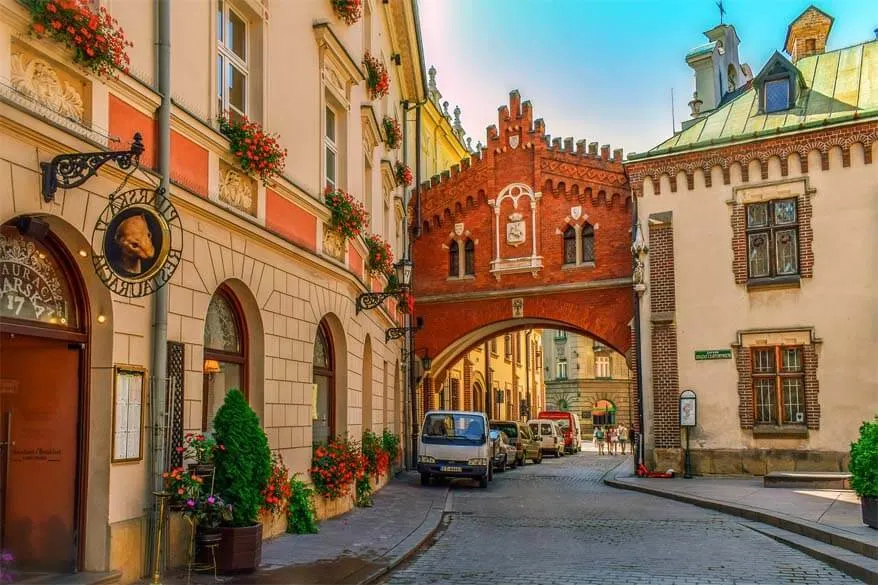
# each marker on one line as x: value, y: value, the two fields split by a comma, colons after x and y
x: 333, y: 244
x: 237, y: 191
x: 36, y: 79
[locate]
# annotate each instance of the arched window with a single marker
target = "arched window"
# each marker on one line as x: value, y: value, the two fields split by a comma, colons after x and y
x: 570, y: 245
x: 603, y: 413
x: 225, y: 353
x: 323, y: 412
x: 587, y: 236
x: 469, y: 250
x: 453, y: 259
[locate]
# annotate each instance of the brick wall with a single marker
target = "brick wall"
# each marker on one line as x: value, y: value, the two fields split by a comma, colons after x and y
x: 812, y: 387
x: 665, y: 377
x: 812, y: 25
x: 744, y: 365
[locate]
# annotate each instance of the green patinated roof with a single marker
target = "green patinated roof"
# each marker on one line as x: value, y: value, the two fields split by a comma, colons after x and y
x: 841, y: 85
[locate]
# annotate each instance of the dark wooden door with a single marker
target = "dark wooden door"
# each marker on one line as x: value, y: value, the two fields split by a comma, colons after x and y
x: 39, y: 412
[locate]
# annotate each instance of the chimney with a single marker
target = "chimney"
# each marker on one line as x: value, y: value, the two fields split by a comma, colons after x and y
x: 807, y: 34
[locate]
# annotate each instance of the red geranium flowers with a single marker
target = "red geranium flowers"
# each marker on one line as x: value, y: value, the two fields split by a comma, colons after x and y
x: 257, y: 151
x: 96, y: 38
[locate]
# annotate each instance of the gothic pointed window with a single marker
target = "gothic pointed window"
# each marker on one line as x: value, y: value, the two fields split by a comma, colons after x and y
x: 469, y: 251
x: 323, y: 410
x: 570, y: 245
x: 453, y: 259
x: 587, y: 236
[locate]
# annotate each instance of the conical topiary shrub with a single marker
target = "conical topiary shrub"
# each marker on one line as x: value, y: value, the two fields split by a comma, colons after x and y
x: 243, y: 466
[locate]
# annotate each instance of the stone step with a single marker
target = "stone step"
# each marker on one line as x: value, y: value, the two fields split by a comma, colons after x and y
x: 84, y: 578
x: 830, y: 480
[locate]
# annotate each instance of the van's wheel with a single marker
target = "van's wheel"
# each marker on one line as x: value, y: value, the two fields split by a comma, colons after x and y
x: 490, y: 473
x: 539, y: 459
x: 504, y: 464
x: 425, y: 479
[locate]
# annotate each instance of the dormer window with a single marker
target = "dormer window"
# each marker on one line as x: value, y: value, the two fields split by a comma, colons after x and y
x: 777, y: 95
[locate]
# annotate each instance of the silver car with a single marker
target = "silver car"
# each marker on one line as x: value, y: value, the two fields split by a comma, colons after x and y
x: 505, y: 454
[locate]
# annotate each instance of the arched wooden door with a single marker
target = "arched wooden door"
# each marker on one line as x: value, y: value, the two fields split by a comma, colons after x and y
x: 43, y: 409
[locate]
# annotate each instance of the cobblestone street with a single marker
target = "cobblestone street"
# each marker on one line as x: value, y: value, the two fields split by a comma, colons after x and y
x: 557, y: 523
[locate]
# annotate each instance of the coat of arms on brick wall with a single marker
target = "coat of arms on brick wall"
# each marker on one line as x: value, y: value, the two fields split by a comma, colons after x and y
x: 515, y: 230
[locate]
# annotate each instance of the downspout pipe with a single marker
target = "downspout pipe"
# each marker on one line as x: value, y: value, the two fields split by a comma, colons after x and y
x: 158, y: 398
x: 637, y: 344
x: 527, y: 371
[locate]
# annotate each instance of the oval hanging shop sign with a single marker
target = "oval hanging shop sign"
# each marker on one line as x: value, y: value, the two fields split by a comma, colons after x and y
x: 133, y: 242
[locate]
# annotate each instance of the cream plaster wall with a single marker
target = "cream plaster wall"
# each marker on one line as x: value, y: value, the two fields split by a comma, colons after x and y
x: 840, y: 302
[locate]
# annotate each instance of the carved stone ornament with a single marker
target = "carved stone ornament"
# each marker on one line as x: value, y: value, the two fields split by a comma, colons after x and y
x: 515, y: 230
x: 458, y: 229
x: 576, y: 212
x: 518, y: 308
x: 37, y: 79
x: 514, y: 141
x: 333, y: 244
x: 237, y: 190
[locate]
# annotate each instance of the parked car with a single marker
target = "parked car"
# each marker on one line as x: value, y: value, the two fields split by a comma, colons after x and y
x: 551, y: 438
x: 526, y: 444
x: 455, y: 444
x: 570, y: 428
x: 504, y: 453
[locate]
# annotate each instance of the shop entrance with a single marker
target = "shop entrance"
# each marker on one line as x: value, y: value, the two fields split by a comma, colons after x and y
x: 43, y: 346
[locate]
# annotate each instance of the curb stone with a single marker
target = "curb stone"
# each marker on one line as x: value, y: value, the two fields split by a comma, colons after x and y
x: 853, y: 557
x: 413, y: 542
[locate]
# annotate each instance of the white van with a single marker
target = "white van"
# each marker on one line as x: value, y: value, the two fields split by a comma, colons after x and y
x: 455, y: 444
x: 550, y: 435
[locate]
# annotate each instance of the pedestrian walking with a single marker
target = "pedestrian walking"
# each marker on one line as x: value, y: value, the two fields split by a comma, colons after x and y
x: 611, y: 440
x: 600, y: 438
x: 622, y: 432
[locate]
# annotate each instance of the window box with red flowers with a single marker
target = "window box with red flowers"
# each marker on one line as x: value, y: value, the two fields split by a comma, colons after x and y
x: 335, y: 467
x: 377, y: 78
x: 403, y: 174
x: 97, y: 40
x: 380, y: 257
x: 349, y: 11
x: 392, y: 132
x: 258, y: 152
x: 348, y: 215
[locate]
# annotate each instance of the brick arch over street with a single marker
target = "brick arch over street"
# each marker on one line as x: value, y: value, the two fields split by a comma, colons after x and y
x: 528, y: 230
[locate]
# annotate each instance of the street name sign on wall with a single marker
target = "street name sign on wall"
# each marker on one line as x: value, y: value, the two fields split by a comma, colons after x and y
x: 713, y: 354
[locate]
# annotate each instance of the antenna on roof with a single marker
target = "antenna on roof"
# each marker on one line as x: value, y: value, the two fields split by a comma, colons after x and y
x: 673, y: 119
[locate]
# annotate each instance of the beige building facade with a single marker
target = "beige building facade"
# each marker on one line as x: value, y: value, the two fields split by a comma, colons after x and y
x: 588, y: 378
x: 263, y: 297
x: 510, y: 365
x: 757, y: 285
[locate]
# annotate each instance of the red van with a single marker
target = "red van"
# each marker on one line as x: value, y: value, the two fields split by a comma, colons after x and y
x: 569, y: 423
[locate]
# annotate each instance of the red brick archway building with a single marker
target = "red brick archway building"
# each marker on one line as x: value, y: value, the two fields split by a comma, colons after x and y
x: 529, y: 232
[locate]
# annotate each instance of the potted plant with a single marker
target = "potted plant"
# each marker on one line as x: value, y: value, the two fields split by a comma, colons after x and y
x: 258, y: 152
x: 184, y: 486
x: 377, y: 78
x: 200, y: 450
x: 380, y: 257
x: 301, y: 513
x: 241, y: 474
x: 392, y: 132
x: 403, y: 174
x: 349, y: 11
x: 207, y: 513
x: 97, y: 40
x: 864, y: 471
x: 347, y: 215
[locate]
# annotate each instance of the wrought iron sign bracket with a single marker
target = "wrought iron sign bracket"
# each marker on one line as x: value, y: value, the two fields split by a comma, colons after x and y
x: 397, y: 332
x: 69, y: 171
x: 367, y: 301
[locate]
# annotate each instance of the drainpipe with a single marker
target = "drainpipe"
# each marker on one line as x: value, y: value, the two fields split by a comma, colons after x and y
x: 527, y: 371
x: 160, y: 298
x: 637, y: 346
x: 489, y: 383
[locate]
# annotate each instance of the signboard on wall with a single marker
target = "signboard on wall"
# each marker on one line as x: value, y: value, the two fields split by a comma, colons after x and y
x: 713, y: 354
x: 133, y: 242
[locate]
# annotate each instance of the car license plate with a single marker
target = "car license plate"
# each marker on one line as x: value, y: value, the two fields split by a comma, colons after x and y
x: 451, y: 469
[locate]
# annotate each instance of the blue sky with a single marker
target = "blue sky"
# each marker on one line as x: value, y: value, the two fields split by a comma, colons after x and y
x: 601, y: 70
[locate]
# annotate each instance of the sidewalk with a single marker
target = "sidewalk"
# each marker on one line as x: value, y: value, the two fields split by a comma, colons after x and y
x: 831, y: 517
x: 353, y: 548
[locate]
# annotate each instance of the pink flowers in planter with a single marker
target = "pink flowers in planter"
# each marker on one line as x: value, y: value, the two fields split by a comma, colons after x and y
x: 377, y: 78
x: 380, y: 258
x: 348, y: 215
x: 349, y: 11
x: 257, y: 151
x: 392, y: 131
x: 403, y: 174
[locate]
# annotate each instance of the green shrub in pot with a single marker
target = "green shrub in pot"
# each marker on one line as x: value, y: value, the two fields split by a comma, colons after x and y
x: 864, y: 471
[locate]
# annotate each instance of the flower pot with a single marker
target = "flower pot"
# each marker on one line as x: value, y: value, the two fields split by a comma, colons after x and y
x: 869, y: 505
x: 240, y: 549
x: 206, y: 545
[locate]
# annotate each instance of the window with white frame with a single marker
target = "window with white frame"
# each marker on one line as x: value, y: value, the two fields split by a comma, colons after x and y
x: 561, y: 369
x: 232, y: 61
x: 330, y: 146
x: 602, y: 367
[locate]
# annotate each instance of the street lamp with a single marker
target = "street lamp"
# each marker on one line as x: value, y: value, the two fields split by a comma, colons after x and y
x: 370, y: 300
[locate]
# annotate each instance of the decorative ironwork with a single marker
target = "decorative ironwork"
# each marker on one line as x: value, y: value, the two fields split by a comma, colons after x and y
x: 69, y: 171
x: 397, y: 332
x: 176, y: 357
x: 369, y: 301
